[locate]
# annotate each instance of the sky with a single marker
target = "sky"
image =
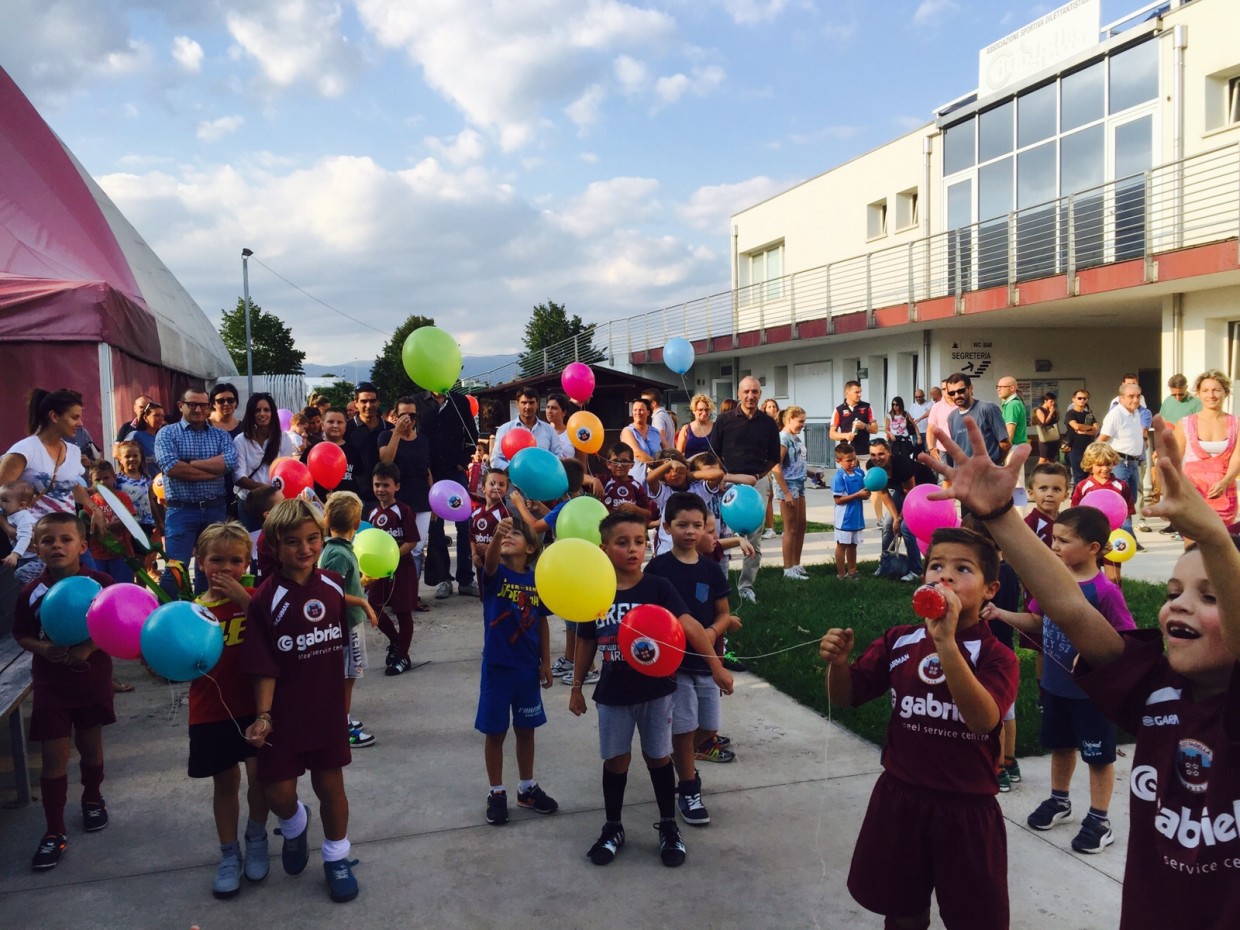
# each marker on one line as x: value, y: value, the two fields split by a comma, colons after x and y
x: 469, y: 159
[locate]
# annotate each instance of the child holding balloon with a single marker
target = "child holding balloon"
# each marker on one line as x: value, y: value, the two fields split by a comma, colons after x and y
x: 72, y: 682
x: 1098, y: 462
x: 398, y: 595
x: 849, y: 489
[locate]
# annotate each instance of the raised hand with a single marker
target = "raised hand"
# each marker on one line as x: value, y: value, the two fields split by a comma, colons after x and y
x: 977, y: 482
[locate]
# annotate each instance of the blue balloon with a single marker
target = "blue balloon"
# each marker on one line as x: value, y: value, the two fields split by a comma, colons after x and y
x: 743, y: 509
x: 63, y: 610
x: 365, y: 526
x: 678, y: 354
x: 181, y: 640
x: 538, y: 474
x: 875, y: 479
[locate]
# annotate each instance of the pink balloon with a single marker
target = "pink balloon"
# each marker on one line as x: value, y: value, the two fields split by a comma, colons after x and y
x: 578, y: 382
x: 286, y: 418
x: 923, y: 545
x: 924, y: 516
x: 116, y: 616
x: 1111, y: 503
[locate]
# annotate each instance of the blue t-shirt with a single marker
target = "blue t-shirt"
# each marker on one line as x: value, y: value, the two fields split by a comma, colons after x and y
x: 511, y: 610
x: 793, y: 464
x: 849, y: 517
x: 700, y: 585
x: 1108, y: 600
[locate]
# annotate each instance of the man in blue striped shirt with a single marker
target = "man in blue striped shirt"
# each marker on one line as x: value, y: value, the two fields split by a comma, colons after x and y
x: 194, y: 457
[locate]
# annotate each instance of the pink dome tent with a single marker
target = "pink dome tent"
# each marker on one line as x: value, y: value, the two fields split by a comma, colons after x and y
x: 84, y: 302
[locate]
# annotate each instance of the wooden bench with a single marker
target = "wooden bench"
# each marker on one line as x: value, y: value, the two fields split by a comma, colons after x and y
x: 15, y: 687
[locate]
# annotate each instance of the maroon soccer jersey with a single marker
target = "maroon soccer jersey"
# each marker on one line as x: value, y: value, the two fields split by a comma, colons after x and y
x: 227, y: 694
x: 928, y: 743
x: 297, y: 635
x: 483, y: 521
x: 1042, y: 525
x: 1183, y: 865
x: 400, y: 592
x: 55, y: 685
x: 625, y: 490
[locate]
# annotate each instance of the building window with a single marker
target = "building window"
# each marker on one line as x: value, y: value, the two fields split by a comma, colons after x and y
x: 781, y: 381
x: 959, y: 146
x: 994, y: 132
x: 1081, y: 97
x: 876, y: 219
x: 761, y: 274
x: 1233, y: 100
x: 906, y: 209
x: 1134, y: 76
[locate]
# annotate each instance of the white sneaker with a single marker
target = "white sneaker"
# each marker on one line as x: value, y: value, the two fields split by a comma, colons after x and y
x: 910, y: 577
x: 560, y: 666
x: 591, y: 677
x: 800, y: 570
x: 769, y: 534
x: 795, y: 575
x: 748, y: 595
x: 444, y: 590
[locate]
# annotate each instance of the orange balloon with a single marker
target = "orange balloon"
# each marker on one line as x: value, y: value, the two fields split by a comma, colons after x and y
x: 585, y: 431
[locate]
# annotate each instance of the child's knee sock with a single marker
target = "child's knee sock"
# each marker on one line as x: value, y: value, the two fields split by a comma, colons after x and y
x: 92, y: 778
x: 335, y: 850
x: 296, y: 825
x: 406, y: 631
x: 55, y: 793
x: 613, y: 793
x: 664, y: 780
x: 388, y: 629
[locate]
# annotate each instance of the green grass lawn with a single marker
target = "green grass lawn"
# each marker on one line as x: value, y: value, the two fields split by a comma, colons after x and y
x: 811, y: 526
x: 789, y: 613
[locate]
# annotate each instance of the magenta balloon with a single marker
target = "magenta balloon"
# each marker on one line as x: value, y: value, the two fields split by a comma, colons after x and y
x: 450, y: 501
x: 1111, y: 503
x: 924, y: 516
x: 578, y: 382
x: 286, y: 418
x: 116, y: 616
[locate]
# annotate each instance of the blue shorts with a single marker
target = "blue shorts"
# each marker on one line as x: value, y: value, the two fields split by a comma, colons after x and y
x: 796, y: 489
x: 509, y: 694
x: 1076, y: 723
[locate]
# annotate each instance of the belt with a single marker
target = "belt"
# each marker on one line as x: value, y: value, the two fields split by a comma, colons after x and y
x: 199, y: 505
x: 1130, y: 459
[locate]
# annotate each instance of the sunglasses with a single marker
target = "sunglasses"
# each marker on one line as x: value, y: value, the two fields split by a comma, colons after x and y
x: 620, y: 463
x: 194, y: 405
x: 956, y: 393
x: 226, y: 400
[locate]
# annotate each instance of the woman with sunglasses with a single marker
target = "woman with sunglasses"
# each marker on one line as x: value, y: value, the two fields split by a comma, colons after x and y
x: 259, y: 443
x: 150, y: 421
x: 224, y: 409
x: 1082, y: 429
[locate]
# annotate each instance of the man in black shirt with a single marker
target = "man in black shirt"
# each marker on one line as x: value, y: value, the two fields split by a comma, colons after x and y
x: 854, y: 421
x: 449, y: 426
x: 902, y: 475
x: 363, y: 434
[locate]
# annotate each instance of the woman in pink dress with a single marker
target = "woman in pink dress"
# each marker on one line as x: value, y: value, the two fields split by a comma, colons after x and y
x: 1208, y: 443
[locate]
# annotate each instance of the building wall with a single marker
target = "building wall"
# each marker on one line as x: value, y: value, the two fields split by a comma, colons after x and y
x: 1212, y: 57
x: 1205, y: 328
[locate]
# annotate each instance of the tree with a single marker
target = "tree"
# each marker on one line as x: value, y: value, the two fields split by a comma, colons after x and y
x: 549, y: 329
x: 388, y: 374
x: 338, y: 394
x: 275, y: 353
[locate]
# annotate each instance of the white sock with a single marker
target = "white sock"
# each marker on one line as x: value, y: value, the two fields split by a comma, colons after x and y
x: 497, y: 789
x: 335, y: 850
x: 295, y: 826
x: 526, y: 784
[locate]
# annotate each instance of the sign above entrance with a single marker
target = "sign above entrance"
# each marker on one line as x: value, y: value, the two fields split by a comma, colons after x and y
x: 1045, y: 42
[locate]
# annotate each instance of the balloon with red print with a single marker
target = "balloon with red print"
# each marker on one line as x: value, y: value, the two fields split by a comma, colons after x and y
x: 652, y: 640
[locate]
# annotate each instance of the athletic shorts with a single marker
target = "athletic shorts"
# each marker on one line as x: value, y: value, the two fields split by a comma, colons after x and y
x: 695, y: 704
x: 848, y: 537
x: 796, y: 489
x: 60, y: 722
x: 355, y: 658
x: 277, y: 764
x: 915, y: 841
x: 219, y: 745
x: 651, y: 719
x: 509, y: 694
x: 1076, y: 723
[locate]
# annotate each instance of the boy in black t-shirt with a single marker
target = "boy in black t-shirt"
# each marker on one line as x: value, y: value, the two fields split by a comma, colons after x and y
x: 629, y: 700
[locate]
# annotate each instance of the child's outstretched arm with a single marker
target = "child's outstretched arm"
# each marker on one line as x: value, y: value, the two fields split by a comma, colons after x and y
x: 986, y: 488
x: 490, y: 562
x: 835, y: 649
x: 1017, y: 619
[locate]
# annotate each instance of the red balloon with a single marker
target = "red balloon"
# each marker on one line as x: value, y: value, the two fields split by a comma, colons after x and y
x: 929, y: 603
x: 473, y: 405
x: 327, y: 464
x: 290, y: 477
x: 514, y: 441
x: 652, y: 640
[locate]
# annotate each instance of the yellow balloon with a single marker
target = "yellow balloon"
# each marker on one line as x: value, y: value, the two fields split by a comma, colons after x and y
x: 1123, y: 546
x: 575, y: 580
x: 585, y: 431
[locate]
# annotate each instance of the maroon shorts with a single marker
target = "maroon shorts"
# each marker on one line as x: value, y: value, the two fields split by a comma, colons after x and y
x: 915, y: 841
x: 276, y: 764
x: 59, y: 722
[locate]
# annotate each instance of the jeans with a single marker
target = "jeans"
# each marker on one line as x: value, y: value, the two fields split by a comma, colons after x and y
x: 1131, y: 476
x: 911, y: 549
x: 750, y: 566
x: 181, y: 528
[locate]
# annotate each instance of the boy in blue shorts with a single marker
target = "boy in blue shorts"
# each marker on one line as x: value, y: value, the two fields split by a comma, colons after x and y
x: 629, y: 700
x: 848, y: 486
x: 516, y: 659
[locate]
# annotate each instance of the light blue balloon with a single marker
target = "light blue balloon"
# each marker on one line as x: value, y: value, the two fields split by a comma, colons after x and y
x: 363, y: 525
x: 63, y: 609
x: 538, y: 474
x: 182, y: 641
x: 875, y: 479
x: 743, y: 509
x: 678, y: 354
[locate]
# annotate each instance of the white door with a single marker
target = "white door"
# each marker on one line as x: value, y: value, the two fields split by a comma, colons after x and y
x: 811, y: 389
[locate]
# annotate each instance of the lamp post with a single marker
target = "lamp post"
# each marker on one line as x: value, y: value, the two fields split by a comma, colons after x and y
x: 249, y: 346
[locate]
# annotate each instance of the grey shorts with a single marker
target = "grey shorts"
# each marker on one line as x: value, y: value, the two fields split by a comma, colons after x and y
x: 651, y: 719
x: 695, y: 704
x: 355, y: 660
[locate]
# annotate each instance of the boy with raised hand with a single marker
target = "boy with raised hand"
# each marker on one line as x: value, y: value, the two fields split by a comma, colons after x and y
x: 296, y: 634
x: 1177, y: 690
x: 629, y: 700
x: 488, y: 514
x: 72, y: 689
x: 933, y: 823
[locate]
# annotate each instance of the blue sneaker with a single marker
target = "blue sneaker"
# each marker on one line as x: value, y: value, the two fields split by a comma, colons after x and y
x: 227, y: 874
x: 341, y: 884
x: 257, y: 863
x: 296, y: 851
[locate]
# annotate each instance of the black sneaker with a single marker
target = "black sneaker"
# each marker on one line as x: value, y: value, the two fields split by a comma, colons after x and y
x: 671, y: 846
x: 497, y: 808
x: 537, y: 800
x: 392, y: 656
x: 608, y: 844
x: 94, y: 815
x: 1050, y: 812
x: 296, y: 851
x: 341, y: 885
x: 51, y: 848
x: 399, y: 667
x: 732, y: 663
x: 692, y: 810
x: 1095, y: 835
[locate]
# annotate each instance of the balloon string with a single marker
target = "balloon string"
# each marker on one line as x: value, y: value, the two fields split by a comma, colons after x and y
x: 232, y: 718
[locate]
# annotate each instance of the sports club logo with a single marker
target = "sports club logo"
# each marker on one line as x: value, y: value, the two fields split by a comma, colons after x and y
x: 584, y: 435
x: 729, y: 497
x: 480, y: 524
x: 645, y: 651
x: 1192, y: 764
x: 381, y: 520
x: 930, y: 671
x: 206, y: 614
x: 314, y: 610
x: 622, y: 490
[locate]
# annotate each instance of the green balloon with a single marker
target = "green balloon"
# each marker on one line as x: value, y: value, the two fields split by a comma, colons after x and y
x: 432, y: 358
x: 378, y: 554
x: 579, y: 519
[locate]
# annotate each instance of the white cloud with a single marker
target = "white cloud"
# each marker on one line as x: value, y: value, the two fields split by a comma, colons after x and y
x: 632, y: 74
x: 699, y: 83
x: 466, y: 147
x: 932, y: 12
x: 584, y: 110
x: 215, y: 129
x: 840, y: 32
x: 188, y: 54
x: 610, y: 204
x: 748, y: 12
x: 297, y: 41
x: 709, y: 208
x: 590, y: 158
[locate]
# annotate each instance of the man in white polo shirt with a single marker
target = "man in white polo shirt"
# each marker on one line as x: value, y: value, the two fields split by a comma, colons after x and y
x: 1123, y: 430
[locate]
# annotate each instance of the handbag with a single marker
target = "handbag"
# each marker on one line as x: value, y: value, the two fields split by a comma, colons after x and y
x: 1047, y: 433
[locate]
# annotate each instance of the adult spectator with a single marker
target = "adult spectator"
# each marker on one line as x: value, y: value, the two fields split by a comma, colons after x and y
x: 362, y: 433
x: 770, y: 407
x: 1081, y: 428
x: 150, y: 422
x: 411, y: 452
x: 988, y: 416
x: 660, y: 418
x: 1122, y: 428
x: 1046, y: 428
x: 557, y: 413
x: 937, y: 419
x: 901, y: 432
x: 919, y: 410
x: 853, y: 421
x: 334, y: 425
x: 1175, y: 406
x: 1147, y: 420
x: 747, y: 441
x: 260, y: 442
x: 694, y: 436
x: 224, y: 399
x: 1016, y: 420
x: 321, y: 402
x: 728, y: 403
x: 350, y: 410
x: 902, y: 475
x: 452, y: 434
x: 195, y: 457
x: 641, y: 436
x: 139, y: 404
x: 527, y: 418
x: 1207, y: 441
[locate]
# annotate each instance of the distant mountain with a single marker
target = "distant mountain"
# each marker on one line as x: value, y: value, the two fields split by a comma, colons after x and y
x: 359, y: 369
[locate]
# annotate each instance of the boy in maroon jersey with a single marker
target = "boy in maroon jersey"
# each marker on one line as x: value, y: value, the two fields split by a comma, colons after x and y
x: 621, y: 492
x: 396, y: 596
x: 1048, y: 489
x: 296, y: 632
x: 950, y: 681
x: 486, y: 516
x: 1183, y: 704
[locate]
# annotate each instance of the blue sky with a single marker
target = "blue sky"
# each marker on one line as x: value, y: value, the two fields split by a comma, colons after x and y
x: 467, y: 159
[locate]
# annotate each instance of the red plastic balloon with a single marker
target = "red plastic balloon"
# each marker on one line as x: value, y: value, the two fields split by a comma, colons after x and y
x: 290, y: 477
x: 929, y: 603
x: 327, y: 464
x: 652, y: 640
x: 473, y: 404
x: 514, y: 441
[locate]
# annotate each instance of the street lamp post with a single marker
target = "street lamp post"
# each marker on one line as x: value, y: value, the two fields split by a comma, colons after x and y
x: 249, y: 346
